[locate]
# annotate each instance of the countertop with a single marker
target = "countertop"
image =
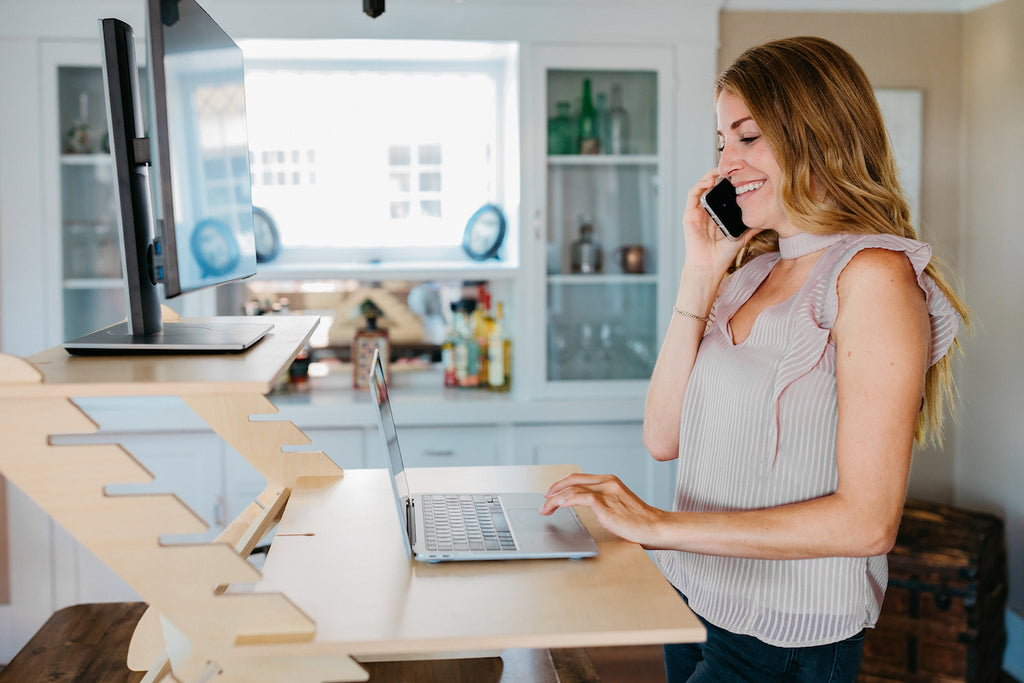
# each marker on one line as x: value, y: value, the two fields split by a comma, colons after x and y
x: 418, y: 399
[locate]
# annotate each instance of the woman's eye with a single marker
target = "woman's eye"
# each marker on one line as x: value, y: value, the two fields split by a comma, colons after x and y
x: 749, y: 139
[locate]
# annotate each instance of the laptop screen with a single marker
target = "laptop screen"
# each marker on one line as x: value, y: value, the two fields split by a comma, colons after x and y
x: 389, y: 437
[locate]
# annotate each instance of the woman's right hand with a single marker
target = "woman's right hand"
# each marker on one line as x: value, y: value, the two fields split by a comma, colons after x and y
x: 707, y: 248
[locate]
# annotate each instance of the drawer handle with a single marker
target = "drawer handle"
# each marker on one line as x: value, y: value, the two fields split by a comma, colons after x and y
x: 439, y: 454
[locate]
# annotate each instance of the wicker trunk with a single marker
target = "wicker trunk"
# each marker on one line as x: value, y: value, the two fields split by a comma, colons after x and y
x: 943, y: 616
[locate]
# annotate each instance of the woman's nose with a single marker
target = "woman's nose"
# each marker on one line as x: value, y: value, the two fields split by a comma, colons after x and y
x: 728, y: 161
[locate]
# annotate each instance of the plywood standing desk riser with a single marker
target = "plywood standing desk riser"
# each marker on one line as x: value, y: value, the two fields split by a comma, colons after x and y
x: 341, y: 589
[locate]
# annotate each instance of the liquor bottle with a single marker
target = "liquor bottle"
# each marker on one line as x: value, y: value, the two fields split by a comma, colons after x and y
x: 365, y: 341
x: 618, y: 124
x: 482, y: 322
x: 448, y: 349
x: 466, y: 350
x: 499, y: 349
x: 587, y: 256
x: 589, y: 142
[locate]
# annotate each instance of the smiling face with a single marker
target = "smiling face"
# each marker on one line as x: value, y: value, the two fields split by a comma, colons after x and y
x: 749, y: 163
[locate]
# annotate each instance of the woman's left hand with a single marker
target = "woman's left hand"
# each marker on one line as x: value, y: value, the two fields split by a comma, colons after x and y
x: 616, y: 508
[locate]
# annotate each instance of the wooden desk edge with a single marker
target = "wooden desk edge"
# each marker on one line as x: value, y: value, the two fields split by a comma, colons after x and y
x: 136, y: 374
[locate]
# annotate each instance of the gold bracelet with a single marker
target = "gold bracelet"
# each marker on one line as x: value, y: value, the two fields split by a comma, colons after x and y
x: 687, y: 314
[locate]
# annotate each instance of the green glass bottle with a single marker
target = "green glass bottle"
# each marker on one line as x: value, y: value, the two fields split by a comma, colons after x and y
x: 560, y: 137
x: 589, y: 141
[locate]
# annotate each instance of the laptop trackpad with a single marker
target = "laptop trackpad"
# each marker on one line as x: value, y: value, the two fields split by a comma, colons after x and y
x: 561, y: 531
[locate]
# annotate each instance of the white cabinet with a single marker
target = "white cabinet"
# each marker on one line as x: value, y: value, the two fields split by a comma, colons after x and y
x: 80, y: 211
x: 602, y: 246
x: 451, y: 446
x: 600, y: 449
x: 346, y: 447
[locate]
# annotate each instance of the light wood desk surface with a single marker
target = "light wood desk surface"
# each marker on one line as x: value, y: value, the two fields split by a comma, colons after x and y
x: 339, y: 556
x: 253, y: 371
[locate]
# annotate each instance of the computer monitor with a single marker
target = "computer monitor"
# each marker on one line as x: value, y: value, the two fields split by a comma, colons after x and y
x: 193, y: 168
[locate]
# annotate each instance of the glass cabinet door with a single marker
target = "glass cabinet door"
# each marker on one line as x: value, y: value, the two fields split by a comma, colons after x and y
x: 92, y: 290
x: 605, y: 218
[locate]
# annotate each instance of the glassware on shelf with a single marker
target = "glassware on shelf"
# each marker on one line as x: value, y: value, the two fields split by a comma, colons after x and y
x: 603, y: 221
x: 618, y: 124
x: 108, y: 248
x: 91, y: 251
x: 78, y: 139
x: 560, y: 131
x: 603, y: 122
x: 78, y: 251
x: 587, y: 256
x: 588, y: 140
x: 631, y: 258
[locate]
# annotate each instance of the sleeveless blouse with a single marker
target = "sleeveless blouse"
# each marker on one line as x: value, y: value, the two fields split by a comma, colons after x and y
x: 759, y: 430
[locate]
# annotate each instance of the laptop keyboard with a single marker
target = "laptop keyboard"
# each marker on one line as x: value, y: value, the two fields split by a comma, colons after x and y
x: 465, y: 522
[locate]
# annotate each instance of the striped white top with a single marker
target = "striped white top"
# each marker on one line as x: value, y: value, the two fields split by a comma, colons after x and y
x: 758, y: 430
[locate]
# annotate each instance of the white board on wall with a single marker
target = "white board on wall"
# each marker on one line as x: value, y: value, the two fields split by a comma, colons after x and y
x: 902, y: 110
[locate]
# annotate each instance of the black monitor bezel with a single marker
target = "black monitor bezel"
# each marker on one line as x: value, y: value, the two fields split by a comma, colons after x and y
x: 130, y: 153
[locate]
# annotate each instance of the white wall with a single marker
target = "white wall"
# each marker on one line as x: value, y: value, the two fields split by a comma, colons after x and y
x: 990, y: 450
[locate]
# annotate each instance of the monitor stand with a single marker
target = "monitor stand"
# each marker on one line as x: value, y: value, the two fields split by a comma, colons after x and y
x: 199, y: 336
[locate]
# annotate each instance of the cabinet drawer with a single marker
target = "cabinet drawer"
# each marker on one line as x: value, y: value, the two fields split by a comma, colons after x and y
x: 599, y: 449
x: 344, y: 446
x: 445, y: 447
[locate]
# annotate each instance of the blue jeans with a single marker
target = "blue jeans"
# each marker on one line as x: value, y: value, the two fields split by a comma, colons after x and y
x: 728, y: 657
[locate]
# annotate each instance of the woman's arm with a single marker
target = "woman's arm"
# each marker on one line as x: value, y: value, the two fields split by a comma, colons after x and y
x: 663, y: 407
x: 882, y: 337
x: 708, y: 256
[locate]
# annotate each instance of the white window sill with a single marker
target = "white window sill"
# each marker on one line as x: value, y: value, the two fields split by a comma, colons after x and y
x: 390, y: 270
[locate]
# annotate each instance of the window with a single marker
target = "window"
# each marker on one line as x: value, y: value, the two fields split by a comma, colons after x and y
x: 368, y: 151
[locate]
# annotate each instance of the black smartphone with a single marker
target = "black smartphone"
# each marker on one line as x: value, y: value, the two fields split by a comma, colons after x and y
x: 720, y: 203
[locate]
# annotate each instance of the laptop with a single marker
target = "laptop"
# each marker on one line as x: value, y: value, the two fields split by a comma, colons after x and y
x: 445, y: 527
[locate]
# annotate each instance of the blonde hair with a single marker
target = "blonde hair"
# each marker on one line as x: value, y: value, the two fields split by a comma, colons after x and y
x: 818, y: 112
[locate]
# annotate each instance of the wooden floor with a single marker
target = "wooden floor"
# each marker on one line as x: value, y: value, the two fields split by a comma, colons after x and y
x: 644, y: 664
x: 633, y: 664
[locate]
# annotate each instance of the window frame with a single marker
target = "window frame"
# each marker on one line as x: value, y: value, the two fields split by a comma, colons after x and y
x: 499, y: 63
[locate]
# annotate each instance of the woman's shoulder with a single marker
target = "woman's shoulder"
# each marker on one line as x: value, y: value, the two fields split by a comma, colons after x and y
x: 875, y: 255
x: 879, y: 276
x: 869, y: 265
x: 878, y: 263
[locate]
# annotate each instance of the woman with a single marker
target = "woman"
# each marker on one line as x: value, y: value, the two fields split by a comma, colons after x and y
x: 791, y: 390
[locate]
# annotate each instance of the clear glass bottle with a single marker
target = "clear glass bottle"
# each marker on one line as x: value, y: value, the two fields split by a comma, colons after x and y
x: 618, y: 124
x: 588, y: 140
x: 587, y: 256
x: 604, y: 123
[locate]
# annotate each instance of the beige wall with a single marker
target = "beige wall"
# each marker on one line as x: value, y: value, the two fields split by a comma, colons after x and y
x: 919, y: 51
x: 990, y: 451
